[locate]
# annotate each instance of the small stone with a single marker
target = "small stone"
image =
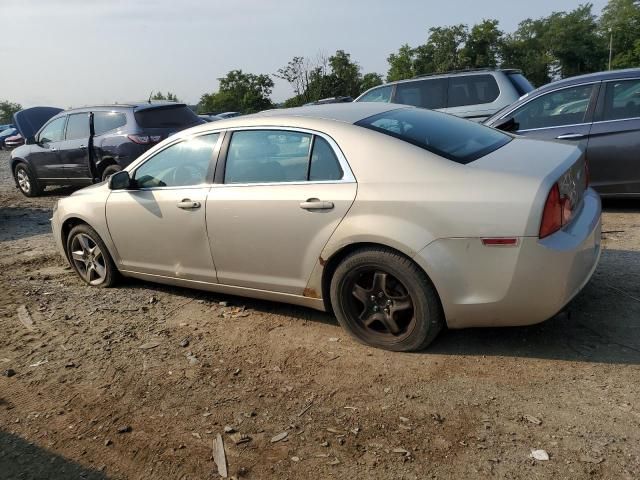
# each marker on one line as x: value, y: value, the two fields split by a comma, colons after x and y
x: 229, y: 429
x: 9, y: 372
x: 541, y: 455
x: 124, y: 429
x: 404, y: 419
x: 223, y: 304
x: 236, y: 372
x: 295, y: 459
x: 108, y: 442
x: 280, y: 436
x: 387, y: 390
x: 70, y: 365
x: 324, y: 444
x: 532, y: 419
x: 341, y: 441
x: 153, y: 299
x: 184, y: 343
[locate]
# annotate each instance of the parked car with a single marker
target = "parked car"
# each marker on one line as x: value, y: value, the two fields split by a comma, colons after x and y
x: 4, y: 126
x: 14, y: 141
x: 209, y: 118
x: 85, y: 145
x: 228, y: 114
x: 324, y: 101
x: 6, y: 133
x: 600, y: 112
x: 400, y: 220
x: 473, y: 94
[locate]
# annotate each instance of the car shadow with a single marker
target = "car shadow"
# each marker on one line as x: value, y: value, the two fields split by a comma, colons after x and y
x: 22, y: 459
x: 22, y: 222
x: 621, y: 205
x: 602, y: 324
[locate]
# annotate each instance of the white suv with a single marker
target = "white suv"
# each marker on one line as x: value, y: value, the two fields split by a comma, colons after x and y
x: 473, y: 94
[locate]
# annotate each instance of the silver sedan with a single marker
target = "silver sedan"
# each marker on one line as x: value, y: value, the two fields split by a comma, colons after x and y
x: 398, y: 220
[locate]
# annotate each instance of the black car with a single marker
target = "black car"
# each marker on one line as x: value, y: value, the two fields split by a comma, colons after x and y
x: 600, y: 112
x: 6, y: 133
x: 87, y: 145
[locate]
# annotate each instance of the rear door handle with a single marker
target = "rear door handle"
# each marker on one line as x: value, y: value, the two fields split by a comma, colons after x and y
x: 316, y: 204
x: 187, y: 204
x: 570, y: 136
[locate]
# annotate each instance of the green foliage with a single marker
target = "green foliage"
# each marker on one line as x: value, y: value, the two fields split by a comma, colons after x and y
x: 482, y: 48
x: 526, y: 48
x: 345, y: 77
x: 401, y: 64
x: 620, y: 21
x: 171, y: 97
x: 370, y: 80
x: 7, y: 109
x: 240, y: 92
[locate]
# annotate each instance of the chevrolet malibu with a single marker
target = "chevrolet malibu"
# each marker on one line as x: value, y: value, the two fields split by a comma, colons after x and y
x: 399, y: 220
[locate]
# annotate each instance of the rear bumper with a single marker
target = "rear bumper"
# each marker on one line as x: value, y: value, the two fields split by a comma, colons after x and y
x: 482, y: 286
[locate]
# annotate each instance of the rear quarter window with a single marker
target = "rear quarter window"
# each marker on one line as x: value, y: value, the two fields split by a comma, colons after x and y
x: 106, y: 121
x: 453, y: 138
x: 472, y: 90
x: 167, y: 117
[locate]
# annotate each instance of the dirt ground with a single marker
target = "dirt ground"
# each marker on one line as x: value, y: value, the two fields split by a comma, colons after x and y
x: 105, y: 388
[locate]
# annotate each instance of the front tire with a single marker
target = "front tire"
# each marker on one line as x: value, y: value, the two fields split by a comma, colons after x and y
x: 385, y: 300
x: 26, y: 181
x: 90, y: 258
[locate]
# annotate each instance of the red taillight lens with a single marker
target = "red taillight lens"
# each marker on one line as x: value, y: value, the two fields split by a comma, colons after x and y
x: 552, y: 213
x: 139, y: 139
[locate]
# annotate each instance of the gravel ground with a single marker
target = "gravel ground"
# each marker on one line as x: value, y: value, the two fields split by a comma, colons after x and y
x: 104, y: 386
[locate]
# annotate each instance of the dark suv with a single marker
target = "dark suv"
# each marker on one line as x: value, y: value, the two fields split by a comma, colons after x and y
x: 87, y: 145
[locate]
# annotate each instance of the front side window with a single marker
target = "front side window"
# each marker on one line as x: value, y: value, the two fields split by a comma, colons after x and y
x: 106, y: 121
x: 381, y: 94
x: 53, y: 132
x: 563, y: 107
x: 454, y: 138
x: 182, y: 164
x: 78, y: 126
x: 423, y: 93
x: 622, y: 100
x: 472, y: 90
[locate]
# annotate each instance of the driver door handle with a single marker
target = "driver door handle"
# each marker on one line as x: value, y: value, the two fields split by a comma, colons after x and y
x: 316, y: 204
x: 187, y: 204
x: 570, y: 136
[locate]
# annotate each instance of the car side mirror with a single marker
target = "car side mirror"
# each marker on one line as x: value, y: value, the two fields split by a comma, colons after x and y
x: 507, y: 125
x: 30, y: 140
x: 120, y: 180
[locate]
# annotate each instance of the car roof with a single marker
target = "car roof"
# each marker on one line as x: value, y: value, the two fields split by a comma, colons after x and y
x: 342, y: 112
x: 453, y: 73
x: 592, y: 77
x: 135, y: 106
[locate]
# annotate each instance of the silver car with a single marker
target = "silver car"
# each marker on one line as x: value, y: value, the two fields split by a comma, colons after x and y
x: 399, y: 220
x: 473, y: 94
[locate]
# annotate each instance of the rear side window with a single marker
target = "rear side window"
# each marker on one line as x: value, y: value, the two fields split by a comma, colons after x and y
x: 472, y: 90
x: 167, y: 117
x: 520, y: 83
x: 78, y: 126
x: 324, y: 163
x: 459, y: 140
x: 107, y: 121
x: 622, y: 100
x: 423, y: 93
x: 382, y: 94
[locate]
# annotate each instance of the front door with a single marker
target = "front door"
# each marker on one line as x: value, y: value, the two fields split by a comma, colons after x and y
x: 282, y: 196
x: 614, y: 143
x: 74, y: 150
x: 158, y: 226
x: 45, y: 154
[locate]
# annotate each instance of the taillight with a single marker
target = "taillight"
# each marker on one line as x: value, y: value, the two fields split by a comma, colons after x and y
x: 552, y: 213
x: 139, y: 139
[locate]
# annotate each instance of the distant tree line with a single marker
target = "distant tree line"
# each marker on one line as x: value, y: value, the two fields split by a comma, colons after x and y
x: 560, y: 45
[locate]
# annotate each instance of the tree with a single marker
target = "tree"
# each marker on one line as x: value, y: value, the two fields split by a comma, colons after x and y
x: 171, y: 97
x: 443, y: 51
x: 527, y: 49
x: 401, y: 64
x: 620, y: 21
x: 239, y: 91
x: 345, y: 77
x: 370, y: 80
x: 482, y: 47
x: 7, y: 109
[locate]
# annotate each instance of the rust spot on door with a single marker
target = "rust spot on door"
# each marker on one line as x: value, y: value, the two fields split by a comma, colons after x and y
x: 322, y: 261
x: 310, y: 292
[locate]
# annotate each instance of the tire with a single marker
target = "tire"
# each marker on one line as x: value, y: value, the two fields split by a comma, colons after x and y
x: 110, y: 170
x: 26, y: 181
x: 95, y: 269
x: 385, y: 300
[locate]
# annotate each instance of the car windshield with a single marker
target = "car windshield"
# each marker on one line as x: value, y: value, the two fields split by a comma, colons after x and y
x: 167, y: 117
x: 459, y: 140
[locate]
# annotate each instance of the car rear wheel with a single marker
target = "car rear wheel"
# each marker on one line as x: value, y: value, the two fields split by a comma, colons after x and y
x: 26, y: 181
x: 110, y: 170
x: 90, y: 258
x: 385, y: 300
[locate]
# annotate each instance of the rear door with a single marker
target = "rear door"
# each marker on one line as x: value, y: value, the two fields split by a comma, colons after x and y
x: 45, y: 153
x: 613, y: 152
x: 276, y: 201
x: 74, y: 149
x: 563, y: 114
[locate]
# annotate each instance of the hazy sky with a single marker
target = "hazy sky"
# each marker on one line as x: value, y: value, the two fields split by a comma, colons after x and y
x: 77, y: 52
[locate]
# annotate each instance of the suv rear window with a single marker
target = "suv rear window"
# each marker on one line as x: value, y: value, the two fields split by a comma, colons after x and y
x: 520, y: 83
x: 454, y: 138
x: 167, y: 117
x: 472, y: 90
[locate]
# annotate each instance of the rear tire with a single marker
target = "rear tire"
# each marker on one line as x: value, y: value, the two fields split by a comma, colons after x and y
x: 385, y: 300
x: 26, y: 181
x: 110, y: 170
x: 89, y: 257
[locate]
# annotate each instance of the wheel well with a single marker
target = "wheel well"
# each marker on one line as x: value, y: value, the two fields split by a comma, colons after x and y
x: 104, y: 163
x: 68, y: 224
x: 332, y: 263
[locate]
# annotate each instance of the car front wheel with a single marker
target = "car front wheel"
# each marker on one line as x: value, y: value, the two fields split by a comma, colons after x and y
x: 385, y: 300
x: 26, y: 181
x: 90, y: 258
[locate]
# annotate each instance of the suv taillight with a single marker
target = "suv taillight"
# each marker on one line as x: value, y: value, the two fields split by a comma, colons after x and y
x: 139, y: 139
